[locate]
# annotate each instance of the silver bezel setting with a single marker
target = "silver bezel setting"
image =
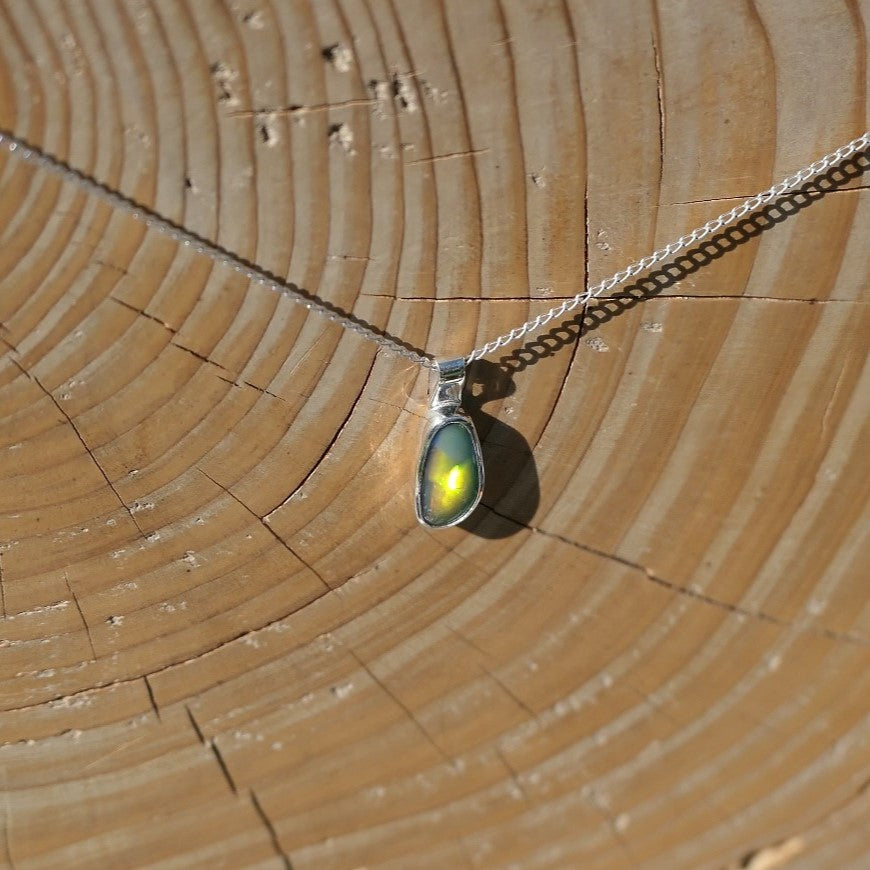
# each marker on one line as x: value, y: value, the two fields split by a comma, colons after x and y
x: 437, y: 421
x: 445, y: 409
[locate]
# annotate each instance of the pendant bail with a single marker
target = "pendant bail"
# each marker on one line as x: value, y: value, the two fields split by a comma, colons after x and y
x: 448, y: 391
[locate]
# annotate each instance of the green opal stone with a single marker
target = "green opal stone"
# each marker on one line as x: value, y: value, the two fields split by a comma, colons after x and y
x: 451, y: 475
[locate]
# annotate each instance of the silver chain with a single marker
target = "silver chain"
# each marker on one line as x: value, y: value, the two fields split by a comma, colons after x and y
x: 712, y: 226
x: 35, y: 156
x: 256, y: 275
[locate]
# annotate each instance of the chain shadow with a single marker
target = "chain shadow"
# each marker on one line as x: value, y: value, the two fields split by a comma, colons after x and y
x: 511, y: 474
x: 602, y: 311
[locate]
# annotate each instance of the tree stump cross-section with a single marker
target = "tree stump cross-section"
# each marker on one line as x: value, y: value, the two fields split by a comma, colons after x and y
x: 225, y: 641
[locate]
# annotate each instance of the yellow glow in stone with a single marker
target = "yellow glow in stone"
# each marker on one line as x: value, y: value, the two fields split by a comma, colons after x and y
x: 450, y: 475
x: 454, y: 478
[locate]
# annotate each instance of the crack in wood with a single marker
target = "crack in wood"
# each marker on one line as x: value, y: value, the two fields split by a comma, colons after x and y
x: 109, y: 685
x: 200, y: 356
x: 515, y: 698
x: 233, y: 379
x: 497, y: 680
x: 151, y: 697
x: 267, y: 526
x: 81, y: 614
x: 688, y: 592
x: 467, y: 641
x: 437, y: 158
x: 273, y: 834
x: 328, y: 448
x: 142, y: 313
x: 401, y: 704
x: 195, y: 725
x: 660, y: 92
x: 112, y: 267
x: 5, y: 341
x: 174, y: 333
x: 30, y: 376
x: 397, y: 407
x: 294, y: 110
x: 239, y: 384
x: 222, y: 764
x: 741, y: 197
x: 210, y: 744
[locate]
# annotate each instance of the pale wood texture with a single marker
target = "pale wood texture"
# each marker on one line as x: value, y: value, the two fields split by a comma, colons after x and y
x: 225, y: 641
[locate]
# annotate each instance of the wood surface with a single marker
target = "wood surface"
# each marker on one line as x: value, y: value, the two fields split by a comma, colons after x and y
x: 226, y: 641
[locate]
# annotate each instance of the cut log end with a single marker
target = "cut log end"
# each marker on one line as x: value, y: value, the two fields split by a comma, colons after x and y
x: 224, y: 637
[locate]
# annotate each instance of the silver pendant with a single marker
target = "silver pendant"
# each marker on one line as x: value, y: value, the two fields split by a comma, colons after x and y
x: 449, y: 480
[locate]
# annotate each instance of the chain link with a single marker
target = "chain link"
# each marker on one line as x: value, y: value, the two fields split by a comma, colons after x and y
x: 712, y: 226
x: 36, y: 157
x: 256, y: 275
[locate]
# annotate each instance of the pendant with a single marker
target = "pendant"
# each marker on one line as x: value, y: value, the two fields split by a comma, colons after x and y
x: 450, y: 471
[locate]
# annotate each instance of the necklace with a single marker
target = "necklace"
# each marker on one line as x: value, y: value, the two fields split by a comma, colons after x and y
x: 448, y: 481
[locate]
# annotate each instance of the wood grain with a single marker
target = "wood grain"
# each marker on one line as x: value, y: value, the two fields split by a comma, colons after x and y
x: 225, y: 641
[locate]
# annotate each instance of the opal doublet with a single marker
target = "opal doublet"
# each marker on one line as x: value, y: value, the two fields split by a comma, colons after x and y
x: 450, y: 474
